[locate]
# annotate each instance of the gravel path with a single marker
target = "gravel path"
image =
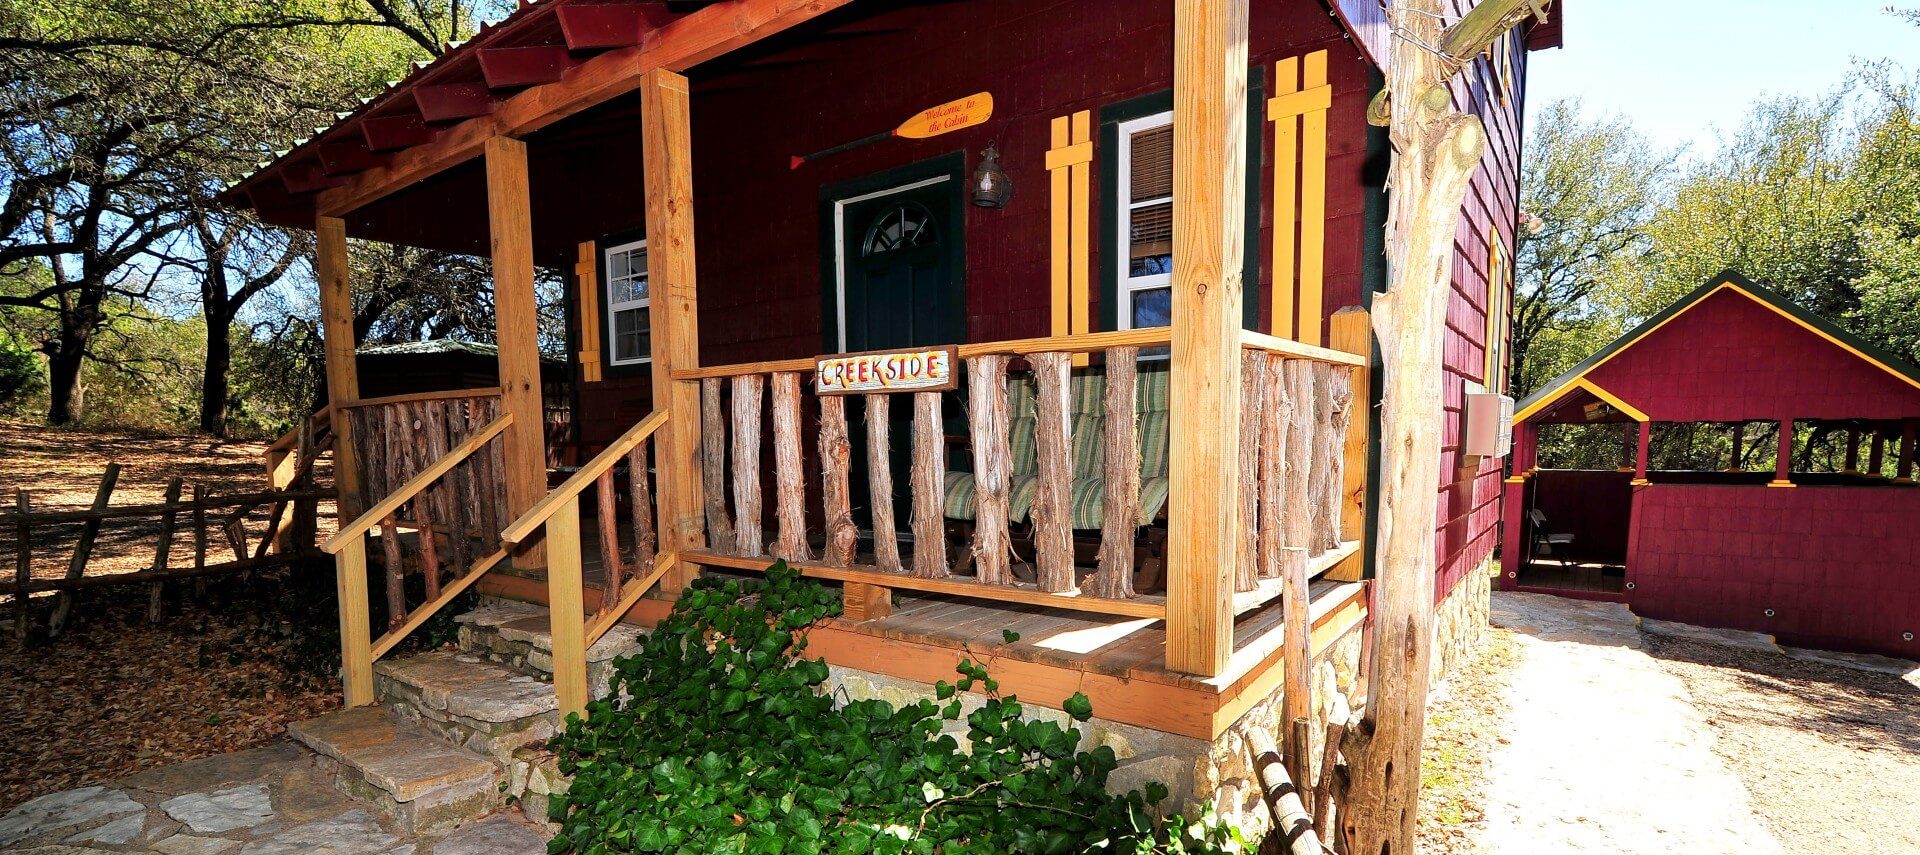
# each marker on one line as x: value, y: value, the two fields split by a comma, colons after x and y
x: 1606, y: 751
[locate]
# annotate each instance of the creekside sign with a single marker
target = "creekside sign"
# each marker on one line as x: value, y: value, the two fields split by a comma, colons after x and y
x: 923, y: 370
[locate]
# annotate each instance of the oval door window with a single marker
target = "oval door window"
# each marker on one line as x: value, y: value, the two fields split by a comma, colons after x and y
x: 908, y: 225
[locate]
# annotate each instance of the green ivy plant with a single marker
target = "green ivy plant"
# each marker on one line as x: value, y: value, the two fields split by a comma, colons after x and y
x: 718, y: 737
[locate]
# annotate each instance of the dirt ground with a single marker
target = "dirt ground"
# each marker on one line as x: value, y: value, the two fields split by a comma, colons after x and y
x: 1464, y: 726
x: 60, y: 468
x: 1621, y: 736
x: 1830, y: 755
x: 116, y: 695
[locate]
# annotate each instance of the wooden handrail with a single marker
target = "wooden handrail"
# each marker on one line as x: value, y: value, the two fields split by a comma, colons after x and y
x: 385, y: 507
x: 1082, y: 343
x: 536, y: 516
x: 411, y: 397
x: 1286, y: 347
x: 629, y: 596
x: 427, y: 610
x: 290, y: 438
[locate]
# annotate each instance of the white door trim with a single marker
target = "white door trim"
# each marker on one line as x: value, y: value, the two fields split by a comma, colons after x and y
x: 840, y: 249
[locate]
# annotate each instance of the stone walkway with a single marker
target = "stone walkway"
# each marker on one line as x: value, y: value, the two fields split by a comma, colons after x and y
x: 277, y: 800
x: 1605, y: 750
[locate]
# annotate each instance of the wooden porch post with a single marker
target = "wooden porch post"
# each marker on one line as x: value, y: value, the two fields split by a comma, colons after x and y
x: 1783, y: 459
x: 1876, y: 446
x: 1209, y: 180
x: 667, y: 168
x: 343, y: 387
x: 1640, y: 453
x: 1853, y: 452
x: 517, y: 330
x: 343, y: 373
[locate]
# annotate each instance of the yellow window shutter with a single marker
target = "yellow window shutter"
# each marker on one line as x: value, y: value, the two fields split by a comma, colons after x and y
x: 1298, y: 111
x: 1070, y: 166
x: 586, y: 279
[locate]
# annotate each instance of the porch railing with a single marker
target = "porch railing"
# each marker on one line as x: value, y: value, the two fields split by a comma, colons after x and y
x: 432, y: 522
x: 394, y: 438
x: 626, y: 581
x: 1298, y: 449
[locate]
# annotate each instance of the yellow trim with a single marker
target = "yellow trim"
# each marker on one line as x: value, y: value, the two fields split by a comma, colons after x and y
x: 1290, y: 103
x: 1065, y: 156
x: 1639, y: 482
x: 1286, y: 150
x: 1581, y: 382
x: 586, y: 275
x: 1781, y: 484
x: 1080, y: 175
x: 1313, y: 205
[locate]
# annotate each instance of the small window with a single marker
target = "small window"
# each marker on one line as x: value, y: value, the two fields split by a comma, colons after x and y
x: 907, y: 225
x: 1144, y: 289
x: 629, y: 334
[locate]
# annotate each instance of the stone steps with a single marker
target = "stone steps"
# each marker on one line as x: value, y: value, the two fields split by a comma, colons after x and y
x: 516, y: 635
x: 423, y: 783
x: 482, y: 706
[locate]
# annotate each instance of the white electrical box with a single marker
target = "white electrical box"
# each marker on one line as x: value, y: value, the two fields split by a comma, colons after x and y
x: 1489, y: 430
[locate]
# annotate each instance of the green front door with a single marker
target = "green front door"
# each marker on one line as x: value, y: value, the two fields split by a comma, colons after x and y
x: 900, y: 252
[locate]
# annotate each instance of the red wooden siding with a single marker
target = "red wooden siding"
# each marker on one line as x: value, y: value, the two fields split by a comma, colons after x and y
x: 1839, y: 566
x: 1729, y: 358
x: 1469, y: 514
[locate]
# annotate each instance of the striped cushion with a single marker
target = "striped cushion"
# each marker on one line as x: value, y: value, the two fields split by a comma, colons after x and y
x: 1088, y: 426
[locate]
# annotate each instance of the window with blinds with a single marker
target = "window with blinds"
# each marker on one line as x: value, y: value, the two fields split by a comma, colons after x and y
x: 1145, y: 216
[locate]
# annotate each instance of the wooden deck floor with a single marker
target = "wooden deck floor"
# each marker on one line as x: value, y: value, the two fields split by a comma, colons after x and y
x: 1587, y: 577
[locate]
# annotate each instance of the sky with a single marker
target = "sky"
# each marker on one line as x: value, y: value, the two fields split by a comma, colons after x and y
x: 1684, y: 70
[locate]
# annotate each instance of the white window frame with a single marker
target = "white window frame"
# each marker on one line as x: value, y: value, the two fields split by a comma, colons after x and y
x: 1124, y: 283
x: 614, y: 307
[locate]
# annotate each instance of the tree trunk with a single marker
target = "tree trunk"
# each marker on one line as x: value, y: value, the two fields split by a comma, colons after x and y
x: 65, y: 356
x: 1435, y: 152
x: 214, y: 385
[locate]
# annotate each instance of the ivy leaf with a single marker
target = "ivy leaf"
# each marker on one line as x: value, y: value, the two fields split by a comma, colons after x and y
x: 1156, y: 792
x: 943, y: 690
x: 1078, y: 706
x: 1009, y: 635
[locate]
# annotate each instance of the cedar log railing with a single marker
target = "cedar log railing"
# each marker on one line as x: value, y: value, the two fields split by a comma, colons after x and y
x: 1302, y: 455
x: 436, y: 481
x: 1302, y: 459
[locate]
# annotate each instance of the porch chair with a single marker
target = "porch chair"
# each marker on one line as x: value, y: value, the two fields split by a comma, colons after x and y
x: 1545, y: 541
x: 1087, y: 420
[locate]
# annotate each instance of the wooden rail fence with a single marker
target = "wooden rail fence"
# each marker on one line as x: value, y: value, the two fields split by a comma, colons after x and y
x: 287, y: 536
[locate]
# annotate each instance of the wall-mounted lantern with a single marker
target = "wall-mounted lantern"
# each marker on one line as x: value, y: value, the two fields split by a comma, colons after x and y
x: 991, y: 186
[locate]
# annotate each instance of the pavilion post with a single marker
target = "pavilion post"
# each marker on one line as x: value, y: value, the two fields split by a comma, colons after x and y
x: 1640, y: 454
x: 1876, y: 449
x: 1783, y: 459
x: 1904, y: 475
x: 343, y: 373
x: 667, y: 170
x: 1853, y: 452
x: 1209, y: 180
x: 517, y: 331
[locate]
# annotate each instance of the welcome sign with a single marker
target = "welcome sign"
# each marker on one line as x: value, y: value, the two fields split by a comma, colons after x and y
x: 925, y: 370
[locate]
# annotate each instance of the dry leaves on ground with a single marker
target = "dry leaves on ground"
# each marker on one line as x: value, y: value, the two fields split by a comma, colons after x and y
x: 1463, y: 726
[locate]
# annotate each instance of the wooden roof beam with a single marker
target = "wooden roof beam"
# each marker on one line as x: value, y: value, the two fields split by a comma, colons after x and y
x: 453, y: 101
x: 682, y: 44
x: 532, y: 65
x: 601, y: 26
x: 351, y: 155
x: 308, y: 178
x: 390, y: 133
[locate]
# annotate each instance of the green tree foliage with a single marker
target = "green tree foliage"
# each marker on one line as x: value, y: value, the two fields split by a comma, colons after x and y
x: 720, y: 738
x: 1814, y: 197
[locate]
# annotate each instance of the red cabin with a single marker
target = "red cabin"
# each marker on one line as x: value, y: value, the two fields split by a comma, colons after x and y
x: 1815, y: 549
